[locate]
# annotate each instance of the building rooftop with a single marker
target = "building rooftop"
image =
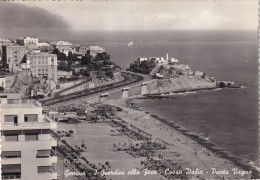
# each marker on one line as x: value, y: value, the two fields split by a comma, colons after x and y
x: 15, y: 45
x: 41, y: 54
x: 95, y: 48
x: 11, y: 103
x: 43, y: 44
x: 58, y: 43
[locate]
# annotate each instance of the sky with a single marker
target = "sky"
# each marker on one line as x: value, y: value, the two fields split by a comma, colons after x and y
x: 155, y: 14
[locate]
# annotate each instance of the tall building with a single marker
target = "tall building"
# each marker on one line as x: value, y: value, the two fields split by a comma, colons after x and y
x: 43, y: 65
x: 28, y: 149
x: 13, y: 56
x: 4, y: 42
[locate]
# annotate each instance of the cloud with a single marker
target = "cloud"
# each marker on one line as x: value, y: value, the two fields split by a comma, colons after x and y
x: 201, y: 20
x: 154, y: 15
x: 208, y: 20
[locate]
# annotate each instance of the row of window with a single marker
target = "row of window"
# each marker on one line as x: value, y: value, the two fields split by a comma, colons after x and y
x: 27, y: 118
x: 45, y: 153
x: 28, y: 137
x: 41, y: 58
x: 13, y: 171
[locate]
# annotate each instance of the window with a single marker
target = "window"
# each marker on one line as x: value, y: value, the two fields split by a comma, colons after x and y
x: 31, y: 137
x: 11, y: 171
x: 45, y: 169
x: 43, y: 153
x: 30, y: 118
x: 11, y: 137
x: 11, y: 154
x: 11, y: 118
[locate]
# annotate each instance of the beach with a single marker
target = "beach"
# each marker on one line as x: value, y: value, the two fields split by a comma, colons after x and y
x: 139, y: 145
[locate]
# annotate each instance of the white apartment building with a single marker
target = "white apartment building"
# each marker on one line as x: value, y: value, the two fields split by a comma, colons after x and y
x: 13, y: 56
x: 28, y: 151
x: 43, y: 65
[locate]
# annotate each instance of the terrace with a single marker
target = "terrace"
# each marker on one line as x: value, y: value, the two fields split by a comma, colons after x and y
x: 47, y: 123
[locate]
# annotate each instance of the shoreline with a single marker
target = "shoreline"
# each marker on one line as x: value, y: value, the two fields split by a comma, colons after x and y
x: 180, y: 92
x: 202, y: 141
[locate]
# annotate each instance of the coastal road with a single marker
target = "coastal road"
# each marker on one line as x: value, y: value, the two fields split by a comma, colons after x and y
x: 129, y: 79
x: 66, y: 89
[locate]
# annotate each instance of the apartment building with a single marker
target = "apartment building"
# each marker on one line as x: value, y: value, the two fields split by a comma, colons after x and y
x: 4, y: 42
x: 13, y: 56
x: 43, y: 65
x: 63, y: 46
x: 28, y: 149
x: 25, y: 41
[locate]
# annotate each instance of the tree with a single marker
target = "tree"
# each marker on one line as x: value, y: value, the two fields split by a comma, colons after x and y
x: 70, y: 56
x: 109, y: 74
x: 102, y: 56
x: 221, y: 85
x: 60, y: 55
x: 87, y: 59
x: 63, y: 67
x: 144, y: 67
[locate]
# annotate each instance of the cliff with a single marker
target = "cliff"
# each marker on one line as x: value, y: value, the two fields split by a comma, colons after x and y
x: 182, y: 83
x: 178, y: 77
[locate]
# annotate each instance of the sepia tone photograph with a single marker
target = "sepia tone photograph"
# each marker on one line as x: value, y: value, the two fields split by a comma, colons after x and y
x: 129, y: 90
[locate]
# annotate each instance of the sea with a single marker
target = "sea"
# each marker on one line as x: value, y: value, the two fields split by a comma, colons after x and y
x: 227, y: 117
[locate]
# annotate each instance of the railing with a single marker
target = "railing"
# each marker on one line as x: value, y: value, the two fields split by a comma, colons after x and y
x: 53, y: 124
x: 24, y: 102
x: 47, y: 121
x: 20, y: 125
x: 53, y: 153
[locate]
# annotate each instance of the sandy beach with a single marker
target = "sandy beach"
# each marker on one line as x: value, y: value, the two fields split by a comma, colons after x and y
x: 137, y: 145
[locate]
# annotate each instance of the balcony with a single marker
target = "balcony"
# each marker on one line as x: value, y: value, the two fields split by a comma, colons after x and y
x: 49, y: 155
x: 47, y: 123
x: 40, y: 144
x: 10, y: 161
x: 52, y: 175
x: 48, y: 172
x: 11, y: 176
x: 11, y: 157
x: 11, y: 171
